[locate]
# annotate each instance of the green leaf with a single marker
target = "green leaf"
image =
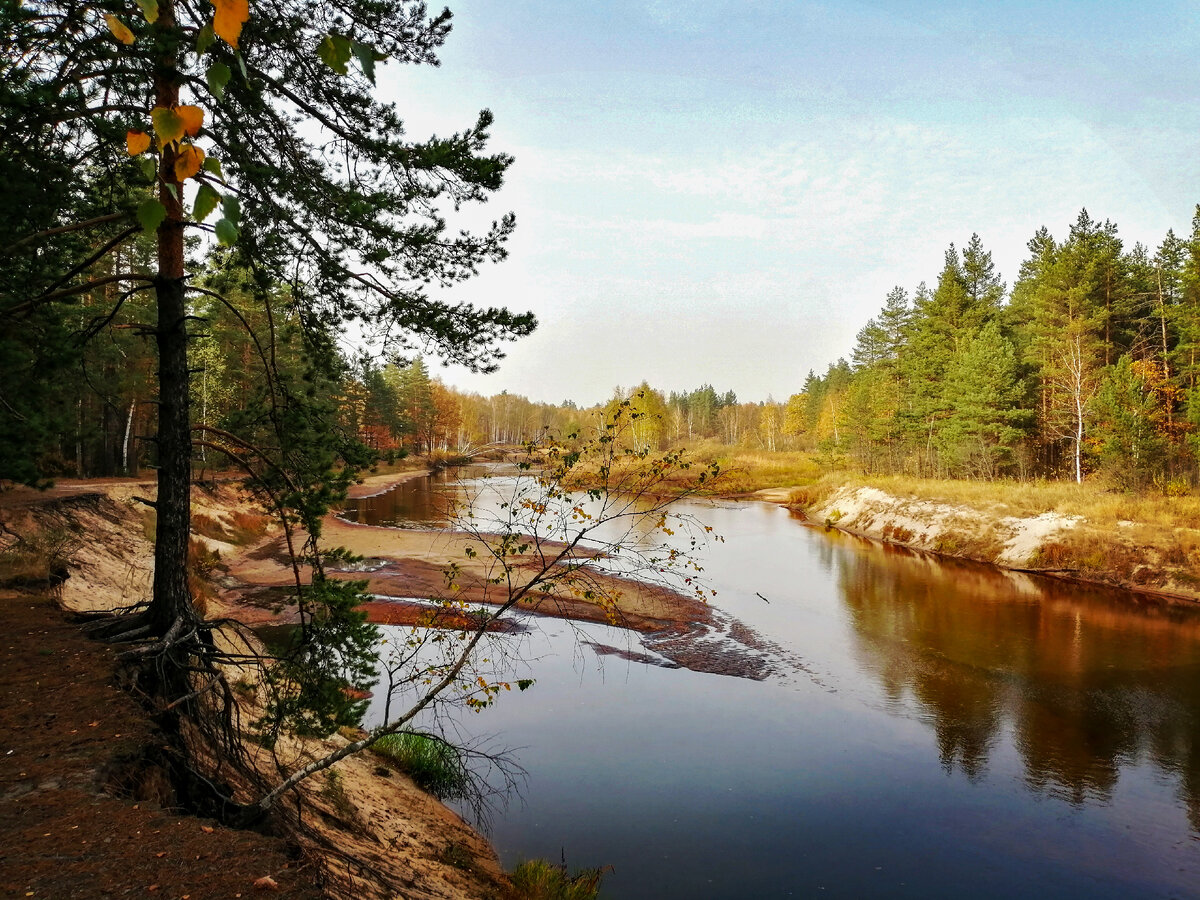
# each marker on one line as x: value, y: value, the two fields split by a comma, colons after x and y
x: 227, y: 232
x: 334, y: 51
x: 365, y: 54
x: 149, y: 10
x: 171, y: 189
x: 231, y: 209
x: 524, y: 683
x: 217, y: 76
x: 151, y: 214
x: 206, y: 201
x: 149, y: 166
x: 213, y: 166
x: 205, y: 39
x: 242, y: 66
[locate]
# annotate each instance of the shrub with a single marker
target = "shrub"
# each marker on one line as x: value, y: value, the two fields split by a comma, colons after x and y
x: 42, y: 557
x: 335, y: 792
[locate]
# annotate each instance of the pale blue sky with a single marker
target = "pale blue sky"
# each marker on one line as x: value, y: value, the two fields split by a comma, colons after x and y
x: 724, y: 192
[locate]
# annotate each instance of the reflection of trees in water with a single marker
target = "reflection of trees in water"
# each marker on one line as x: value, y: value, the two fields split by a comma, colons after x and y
x: 1089, y: 681
x: 420, y: 500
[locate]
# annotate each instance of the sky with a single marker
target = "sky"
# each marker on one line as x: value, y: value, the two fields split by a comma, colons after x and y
x: 724, y: 192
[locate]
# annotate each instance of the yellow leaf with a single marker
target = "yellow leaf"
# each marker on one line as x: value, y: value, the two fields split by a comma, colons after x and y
x: 118, y: 29
x: 193, y: 119
x: 168, y: 125
x: 137, y: 142
x: 229, y: 18
x: 188, y: 161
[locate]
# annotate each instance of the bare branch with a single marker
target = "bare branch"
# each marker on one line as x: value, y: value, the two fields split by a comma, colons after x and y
x: 65, y: 229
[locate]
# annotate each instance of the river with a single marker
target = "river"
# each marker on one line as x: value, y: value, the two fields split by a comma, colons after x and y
x: 927, y: 729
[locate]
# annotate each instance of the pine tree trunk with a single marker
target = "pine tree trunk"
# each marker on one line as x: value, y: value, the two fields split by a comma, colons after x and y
x: 172, y: 600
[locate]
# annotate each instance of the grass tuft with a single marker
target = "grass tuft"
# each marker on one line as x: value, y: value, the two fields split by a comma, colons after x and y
x: 238, y: 527
x: 433, y: 764
x: 537, y: 879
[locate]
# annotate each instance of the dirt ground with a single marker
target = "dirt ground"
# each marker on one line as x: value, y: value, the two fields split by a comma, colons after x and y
x: 70, y: 823
x: 82, y: 812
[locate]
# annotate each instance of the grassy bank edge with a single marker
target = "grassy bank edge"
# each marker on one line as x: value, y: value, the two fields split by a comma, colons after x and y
x: 1144, y: 542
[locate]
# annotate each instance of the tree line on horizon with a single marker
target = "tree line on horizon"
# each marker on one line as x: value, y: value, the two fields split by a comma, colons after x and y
x: 1087, y: 365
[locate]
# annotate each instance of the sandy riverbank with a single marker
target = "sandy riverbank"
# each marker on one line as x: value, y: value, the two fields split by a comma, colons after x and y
x: 406, y: 564
x: 1153, y: 559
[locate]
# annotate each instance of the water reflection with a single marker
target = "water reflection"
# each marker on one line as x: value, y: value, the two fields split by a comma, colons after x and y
x: 423, y: 501
x: 948, y: 731
x: 1087, y: 680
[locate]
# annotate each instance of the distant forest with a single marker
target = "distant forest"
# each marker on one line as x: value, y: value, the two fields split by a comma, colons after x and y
x: 1088, y: 365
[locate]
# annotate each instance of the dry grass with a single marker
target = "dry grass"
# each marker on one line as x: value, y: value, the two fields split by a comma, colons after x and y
x: 399, y: 466
x: 236, y: 527
x: 38, y: 558
x: 744, y: 472
x: 1097, y: 504
x: 1148, y: 540
x: 202, y: 564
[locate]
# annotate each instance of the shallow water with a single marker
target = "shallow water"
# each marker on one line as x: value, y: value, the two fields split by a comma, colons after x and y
x: 929, y: 729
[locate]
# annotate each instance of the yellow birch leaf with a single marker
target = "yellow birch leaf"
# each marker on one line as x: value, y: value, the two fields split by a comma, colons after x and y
x: 118, y: 29
x: 188, y: 161
x: 168, y: 125
x: 193, y: 119
x: 137, y: 142
x: 229, y: 18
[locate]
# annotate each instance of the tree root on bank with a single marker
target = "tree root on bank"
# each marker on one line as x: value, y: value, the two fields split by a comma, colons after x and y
x: 178, y: 680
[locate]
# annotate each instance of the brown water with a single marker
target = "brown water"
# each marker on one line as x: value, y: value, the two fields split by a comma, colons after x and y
x: 930, y: 729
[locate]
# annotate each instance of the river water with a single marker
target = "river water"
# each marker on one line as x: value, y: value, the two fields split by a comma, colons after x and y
x: 927, y: 729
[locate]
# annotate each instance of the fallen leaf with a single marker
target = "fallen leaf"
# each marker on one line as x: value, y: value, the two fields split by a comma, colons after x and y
x: 266, y: 883
x: 207, y: 829
x: 160, y: 855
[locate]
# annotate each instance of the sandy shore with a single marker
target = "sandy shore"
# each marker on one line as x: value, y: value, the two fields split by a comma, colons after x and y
x: 411, y: 563
x: 404, y: 563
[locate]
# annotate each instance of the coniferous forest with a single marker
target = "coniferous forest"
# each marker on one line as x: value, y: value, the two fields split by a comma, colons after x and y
x: 1085, y: 366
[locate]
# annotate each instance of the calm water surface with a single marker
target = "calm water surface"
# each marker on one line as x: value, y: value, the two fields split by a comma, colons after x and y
x: 930, y: 730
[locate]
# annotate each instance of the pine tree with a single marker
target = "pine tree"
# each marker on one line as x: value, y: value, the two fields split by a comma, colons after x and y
x: 257, y: 127
x: 415, y: 396
x: 359, y: 240
x: 986, y: 396
x: 1130, y: 444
